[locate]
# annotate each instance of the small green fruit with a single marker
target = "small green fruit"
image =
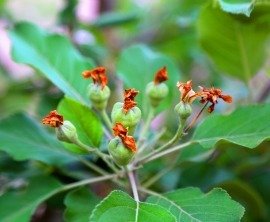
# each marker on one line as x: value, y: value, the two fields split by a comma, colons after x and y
x: 120, y: 154
x: 98, y: 96
x: 67, y: 132
x: 129, y: 119
x: 184, y: 110
x: 156, y: 92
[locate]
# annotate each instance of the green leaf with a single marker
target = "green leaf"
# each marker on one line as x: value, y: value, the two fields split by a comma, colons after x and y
x: 18, y: 206
x: 88, y: 125
x: 54, y: 56
x: 237, y: 6
x: 79, y: 205
x: 190, y: 204
x: 229, y: 39
x: 23, y: 138
x: 137, y: 67
x: 247, y: 126
x: 120, y: 207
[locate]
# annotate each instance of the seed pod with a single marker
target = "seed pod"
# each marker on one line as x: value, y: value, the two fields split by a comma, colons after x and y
x: 121, y: 154
x: 129, y: 119
x: 67, y: 132
x: 184, y: 110
x: 98, y: 96
x: 156, y: 92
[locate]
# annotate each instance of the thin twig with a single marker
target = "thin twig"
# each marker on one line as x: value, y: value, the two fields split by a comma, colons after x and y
x: 195, y: 118
x: 106, y: 119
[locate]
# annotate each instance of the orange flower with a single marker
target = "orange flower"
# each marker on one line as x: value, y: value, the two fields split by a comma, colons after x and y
x: 187, y: 93
x: 53, y: 119
x: 161, y: 76
x: 212, y: 95
x: 98, y: 75
x: 129, y: 98
x: 122, y: 132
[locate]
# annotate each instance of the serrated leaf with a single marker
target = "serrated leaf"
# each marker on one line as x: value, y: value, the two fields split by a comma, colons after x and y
x: 237, y: 6
x: 79, y: 205
x: 19, y: 206
x: 229, y: 39
x: 120, y: 207
x: 23, y: 138
x: 137, y: 67
x: 190, y: 204
x: 247, y: 126
x: 87, y: 123
x: 54, y: 56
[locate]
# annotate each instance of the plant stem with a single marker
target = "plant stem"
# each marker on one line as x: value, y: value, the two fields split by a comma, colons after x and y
x: 164, y: 153
x: 106, y: 158
x: 178, y: 135
x: 84, y: 182
x: 196, y: 118
x: 133, y: 184
x: 106, y: 119
x: 146, y: 125
x: 93, y: 166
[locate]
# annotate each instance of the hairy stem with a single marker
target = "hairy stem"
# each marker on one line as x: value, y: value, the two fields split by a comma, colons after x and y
x: 177, y: 136
x: 146, y: 126
x: 133, y: 184
x: 106, y: 119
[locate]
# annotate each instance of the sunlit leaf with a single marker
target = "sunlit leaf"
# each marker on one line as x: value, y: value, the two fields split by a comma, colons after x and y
x: 54, y: 56
x: 120, y: 207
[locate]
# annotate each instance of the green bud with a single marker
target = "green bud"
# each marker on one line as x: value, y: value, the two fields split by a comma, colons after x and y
x: 120, y: 154
x: 156, y: 92
x: 129, y: 119
x: 98, y: 96
x: 67, y: 132
x: 184, y: 110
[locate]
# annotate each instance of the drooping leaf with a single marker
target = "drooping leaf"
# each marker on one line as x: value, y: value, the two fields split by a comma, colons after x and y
x: 23, y: 138
x: 88, y: 125
x: 120, y: 207
x: 237, y: 6
x: 247, y: 126
x: 190, y: 204
x: 54, y: 56
x: 137, y: 67
x: 229, y: 39
x: 19, y: 206
x: 79, y: 205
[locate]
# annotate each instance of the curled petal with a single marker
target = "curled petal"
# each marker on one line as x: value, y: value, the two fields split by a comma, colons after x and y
x: 226, y: 98
x: 129, y: 98
x: 119, y: 130
x: 98, y: 75
x: 53, y: 119
x: 130, y: 143
x: 188, y: 95
x: 161, y: 76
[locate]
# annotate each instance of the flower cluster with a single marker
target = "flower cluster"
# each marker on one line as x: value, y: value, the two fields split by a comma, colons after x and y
x: 125, y: 115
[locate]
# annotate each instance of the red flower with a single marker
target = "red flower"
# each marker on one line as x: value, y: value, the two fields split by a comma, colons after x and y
x: 98, y: 75
x: 129, y: 98
x: 122, y: 132
x: 187, y: 93
x: 53, y: 119
x: 161, y: 76
x: 212, y: 95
